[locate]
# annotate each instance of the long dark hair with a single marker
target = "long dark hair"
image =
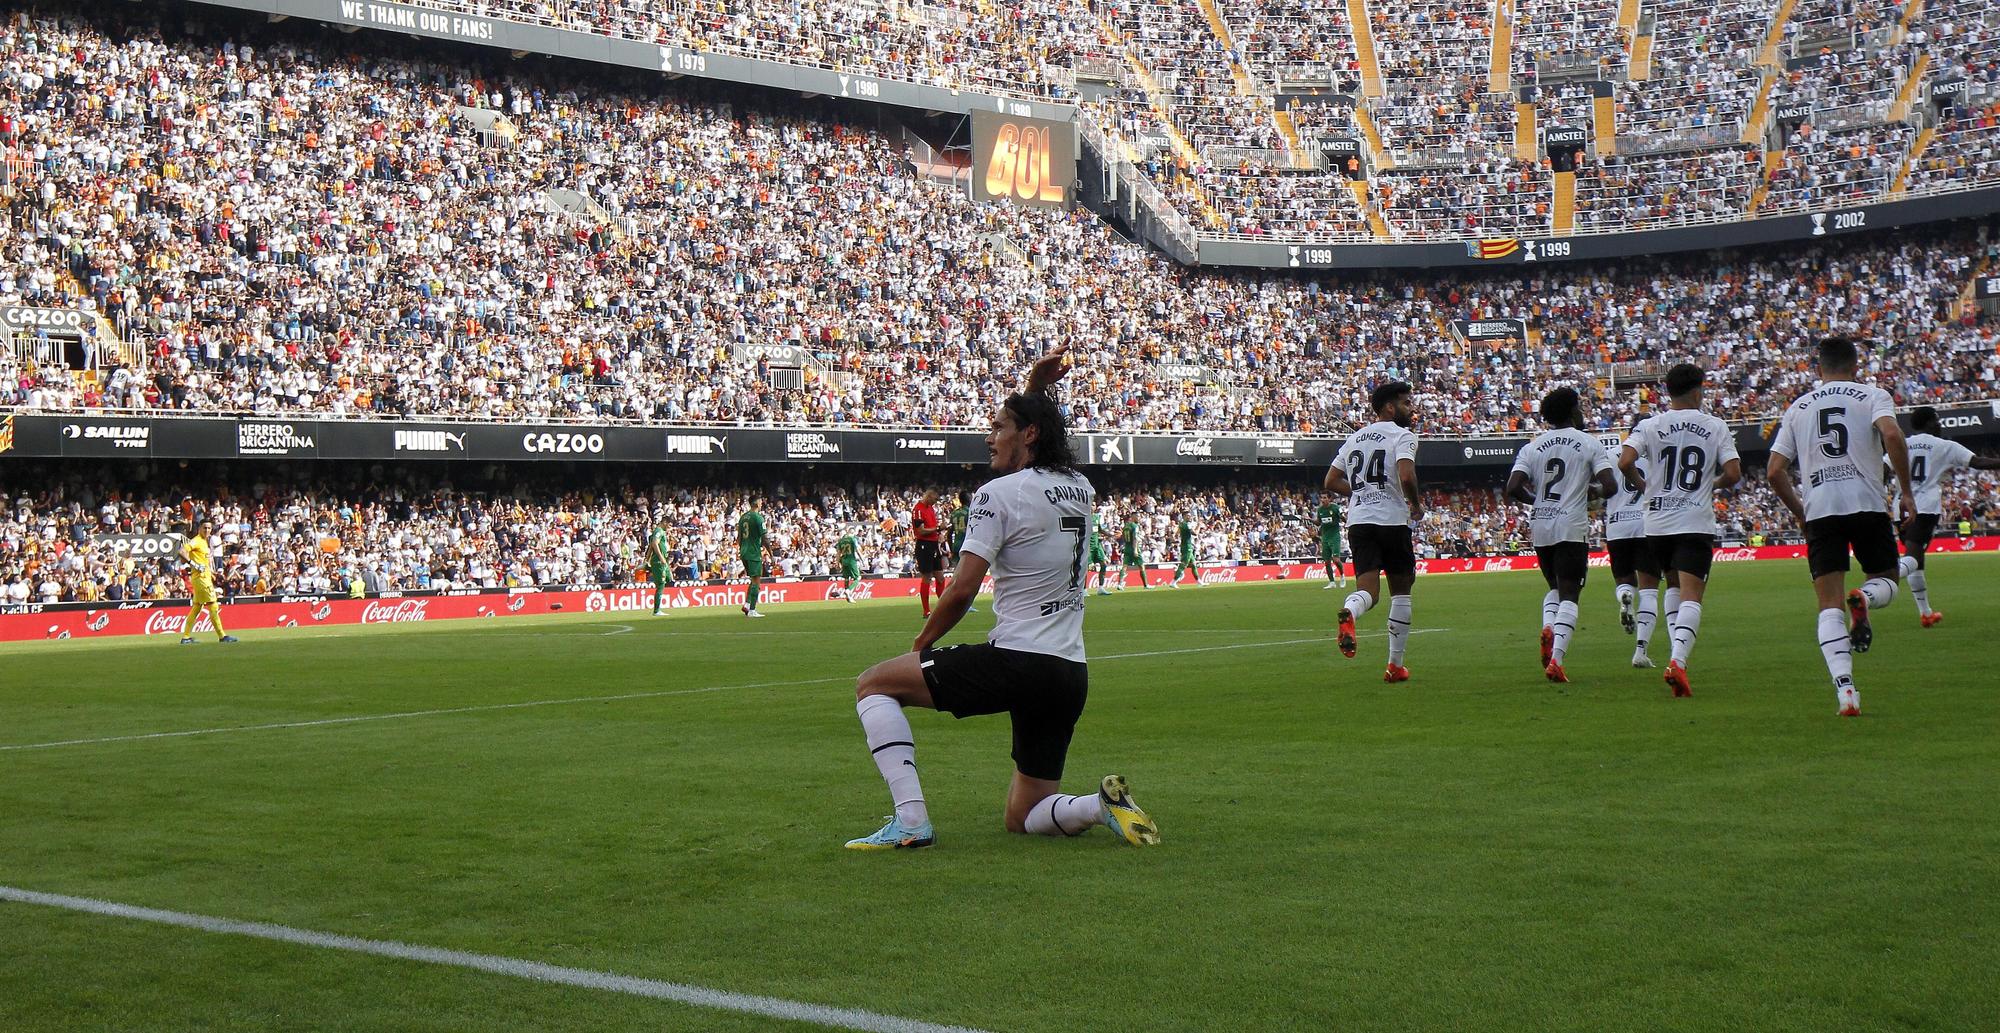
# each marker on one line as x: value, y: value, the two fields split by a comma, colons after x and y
x: 1036, y: 409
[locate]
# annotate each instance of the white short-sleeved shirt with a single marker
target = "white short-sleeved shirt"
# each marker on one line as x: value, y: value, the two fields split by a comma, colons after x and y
x: 1932, y: 459
x: 1830, y: 433
x: 1625, y: 512
x: 1032, y: 528
x: 1370, y: 457
x: 1560, y: 466
x: 1684, y: 450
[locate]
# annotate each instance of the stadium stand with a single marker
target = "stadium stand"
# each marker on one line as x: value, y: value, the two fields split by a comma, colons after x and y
x: 271, y: 228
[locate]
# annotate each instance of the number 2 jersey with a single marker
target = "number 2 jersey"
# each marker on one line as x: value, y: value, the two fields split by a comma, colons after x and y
x: 1830, y: 434
x: 1683, y: 451
x: 1032, y: 527
x: 1370, y: 457
x: 1560, y: 466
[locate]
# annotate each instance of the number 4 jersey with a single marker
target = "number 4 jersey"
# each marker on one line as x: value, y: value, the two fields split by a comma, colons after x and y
x: 1683, y: 451
x: 1370, y: 457
x: 1830, y: 433
x: 1032, y: 527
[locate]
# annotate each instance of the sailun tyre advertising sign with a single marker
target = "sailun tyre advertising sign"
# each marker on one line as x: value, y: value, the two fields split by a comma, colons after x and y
x: 24, y: 435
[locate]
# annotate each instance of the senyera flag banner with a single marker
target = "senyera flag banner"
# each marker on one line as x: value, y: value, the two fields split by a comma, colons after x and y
x: 71, y: 621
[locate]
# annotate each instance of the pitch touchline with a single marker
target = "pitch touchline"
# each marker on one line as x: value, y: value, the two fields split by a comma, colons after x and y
x: 361, y: 718
x: 682, y: 993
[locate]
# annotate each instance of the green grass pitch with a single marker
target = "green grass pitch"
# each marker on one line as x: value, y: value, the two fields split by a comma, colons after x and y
x: 1476, y: 849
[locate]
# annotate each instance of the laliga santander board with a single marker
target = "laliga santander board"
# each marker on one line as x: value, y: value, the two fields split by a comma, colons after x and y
x: 95, y: 620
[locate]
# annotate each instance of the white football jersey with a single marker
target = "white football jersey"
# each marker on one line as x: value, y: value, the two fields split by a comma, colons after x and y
x: 1032, y: 527
x: 1625, y: 512
x: 1560, y: 465
x: 1370, y: 456
x: 1932, y: 459
x: 1683, y: 450
x: 1829, y: 433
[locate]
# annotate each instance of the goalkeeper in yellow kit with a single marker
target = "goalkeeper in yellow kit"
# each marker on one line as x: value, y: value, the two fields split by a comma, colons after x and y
x: 201, y: 584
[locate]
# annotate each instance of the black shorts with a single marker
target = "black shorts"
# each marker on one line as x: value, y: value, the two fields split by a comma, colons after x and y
x: 1630, y: 556
x: 1563, y: 561
x: 1870, y: 535
x: 1687, y: 553
x: 1381, y: 547
x: 1917, y: 536
x: 930, y: 557
x: 1043, y: 693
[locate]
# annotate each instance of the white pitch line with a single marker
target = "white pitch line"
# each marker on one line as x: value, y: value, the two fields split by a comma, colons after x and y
x: 361, y: 718
x: 540, y: 972
x: 619, y: 629
x: 357, y: 719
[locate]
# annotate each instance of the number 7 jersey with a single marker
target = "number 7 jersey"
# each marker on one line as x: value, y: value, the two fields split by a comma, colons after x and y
x: 1032, y: 528
x: 1370, y: 457
x: 1683, y: 451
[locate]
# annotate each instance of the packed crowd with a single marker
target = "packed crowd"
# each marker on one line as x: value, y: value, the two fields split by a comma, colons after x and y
x: 300, y: 533
x: 282, y: 231
x: 1614, y: 192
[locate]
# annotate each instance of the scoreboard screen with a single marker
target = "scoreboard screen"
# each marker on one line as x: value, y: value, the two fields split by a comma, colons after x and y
x: 1026, y: 160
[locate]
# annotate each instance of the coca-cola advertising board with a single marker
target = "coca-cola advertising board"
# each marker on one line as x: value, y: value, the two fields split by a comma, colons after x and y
x: 98, y: 620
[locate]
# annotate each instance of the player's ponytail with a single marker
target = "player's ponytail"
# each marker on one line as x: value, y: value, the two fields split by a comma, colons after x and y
x: 1036, y: 409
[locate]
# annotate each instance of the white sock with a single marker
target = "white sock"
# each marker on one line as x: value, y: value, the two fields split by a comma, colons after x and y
x: 1879, y: 592
x: 1834, y: 646
x: 1399, y: 627
x: 895, y: 753
x: 1686, y: 627
x: 1549, y: 602
x: 1565, y: 626
x: 1649, y: 614
x: 1921, y: 591
x: 1670, y: 606
x: 1060, y: 815
x: 1358, y: 603
x: 1906, y: 566
x: 1625, y: 594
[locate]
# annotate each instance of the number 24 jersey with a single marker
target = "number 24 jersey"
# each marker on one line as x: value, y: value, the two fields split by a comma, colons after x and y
x: 1683, y: 450
x: 1370, y: 457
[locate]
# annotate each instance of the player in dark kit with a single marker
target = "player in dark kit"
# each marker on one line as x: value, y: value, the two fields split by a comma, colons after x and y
x: 1029, y: 527
x: 929, y: 535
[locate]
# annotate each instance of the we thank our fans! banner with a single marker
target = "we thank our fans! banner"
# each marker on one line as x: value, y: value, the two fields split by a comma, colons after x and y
x: 168, y: 618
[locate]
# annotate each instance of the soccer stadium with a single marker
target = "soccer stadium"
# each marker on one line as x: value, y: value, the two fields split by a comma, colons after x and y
x: 999, y: 515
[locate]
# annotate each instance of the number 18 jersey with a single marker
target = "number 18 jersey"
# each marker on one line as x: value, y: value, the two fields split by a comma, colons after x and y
x: 1370, y: 456
x: 1830, y: 433
x: 1684, y: 450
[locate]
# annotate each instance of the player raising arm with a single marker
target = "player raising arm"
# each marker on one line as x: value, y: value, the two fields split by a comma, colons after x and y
x: 1690, y: 454
x: 1838, y: 433
x: 1555, y: 474
x: 1932, y: 459
x: 849, y: 557
x: 1029, y: 526
x: 1379, y: 514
